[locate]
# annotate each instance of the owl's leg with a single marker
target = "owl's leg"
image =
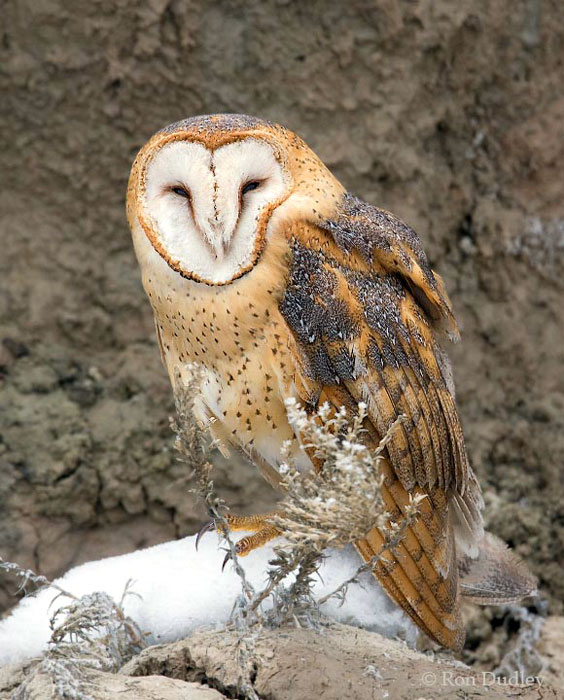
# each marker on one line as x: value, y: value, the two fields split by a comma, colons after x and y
x: 250, y: 523
x: 247, y: 544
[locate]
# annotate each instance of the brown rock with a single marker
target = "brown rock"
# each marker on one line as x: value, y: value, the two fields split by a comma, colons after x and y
x: 290, y: 664
x: 108, y: 686
x: 341, y: 662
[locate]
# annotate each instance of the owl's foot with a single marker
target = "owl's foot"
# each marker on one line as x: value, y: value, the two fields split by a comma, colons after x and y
x: 250, y: 523
x: 208, y: 527
x: 247, y: 544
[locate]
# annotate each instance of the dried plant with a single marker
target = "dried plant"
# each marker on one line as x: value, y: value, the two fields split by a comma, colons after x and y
x: 91, y: 632
x: 294, y: 602
x: 192, y: 445
x: 343, y: 502
x: 331, y: 508
x: 27, y: 576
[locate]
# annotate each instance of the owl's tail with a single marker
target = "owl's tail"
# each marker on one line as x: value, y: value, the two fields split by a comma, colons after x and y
x: 420, y: 574
x: 424, y: 576
x: 496, y: 576
x: 443, y: 627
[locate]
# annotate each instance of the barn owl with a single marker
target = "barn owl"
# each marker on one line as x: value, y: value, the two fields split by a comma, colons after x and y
x: 264, y: 270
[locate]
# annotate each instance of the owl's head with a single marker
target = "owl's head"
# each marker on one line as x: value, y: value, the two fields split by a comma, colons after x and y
x: 207, y: 192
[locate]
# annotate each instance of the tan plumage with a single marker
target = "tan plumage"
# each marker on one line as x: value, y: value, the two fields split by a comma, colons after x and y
x: 303, y: 291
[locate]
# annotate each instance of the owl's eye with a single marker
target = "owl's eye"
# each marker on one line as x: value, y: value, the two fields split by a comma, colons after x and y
x: 180, y: 191
x: 250, y: 186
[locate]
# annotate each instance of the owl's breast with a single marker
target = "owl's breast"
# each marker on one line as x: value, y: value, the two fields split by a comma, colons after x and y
x: 241, y: 342
x: 245, y: 397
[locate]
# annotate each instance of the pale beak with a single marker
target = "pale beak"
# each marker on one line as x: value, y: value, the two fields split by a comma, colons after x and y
x: 218, y: 237
x: 214, y: 235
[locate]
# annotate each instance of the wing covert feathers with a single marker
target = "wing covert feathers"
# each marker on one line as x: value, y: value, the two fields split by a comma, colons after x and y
x: 356, y: 325
x: 363, y: 307
x: 376, y: 234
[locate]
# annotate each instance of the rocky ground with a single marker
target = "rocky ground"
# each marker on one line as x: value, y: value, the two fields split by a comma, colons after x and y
x: 449, y: 114
x: 340, y: 662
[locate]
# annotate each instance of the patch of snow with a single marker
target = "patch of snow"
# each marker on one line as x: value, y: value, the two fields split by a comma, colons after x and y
x: 180, y: 589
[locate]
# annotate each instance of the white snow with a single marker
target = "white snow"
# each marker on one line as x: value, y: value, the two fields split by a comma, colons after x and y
x: 180, y: 589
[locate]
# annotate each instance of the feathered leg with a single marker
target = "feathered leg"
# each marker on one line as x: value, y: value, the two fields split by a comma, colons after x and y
x: 260, y: 525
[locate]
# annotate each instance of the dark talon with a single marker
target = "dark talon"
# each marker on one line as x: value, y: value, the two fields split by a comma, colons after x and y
x: 208, y: 527
x: 227, y: 558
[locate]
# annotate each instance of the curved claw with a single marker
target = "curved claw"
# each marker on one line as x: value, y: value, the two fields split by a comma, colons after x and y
x: 227, y: 558
x: 208, y: 527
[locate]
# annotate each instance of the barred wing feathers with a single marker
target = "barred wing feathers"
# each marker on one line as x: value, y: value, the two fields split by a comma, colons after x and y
x: 364, y: 308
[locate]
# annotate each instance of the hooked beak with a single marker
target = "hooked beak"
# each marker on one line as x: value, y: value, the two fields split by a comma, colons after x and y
x: 218, y: 238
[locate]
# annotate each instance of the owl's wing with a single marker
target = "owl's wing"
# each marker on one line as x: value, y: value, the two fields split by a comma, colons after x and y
x: 363, y: 307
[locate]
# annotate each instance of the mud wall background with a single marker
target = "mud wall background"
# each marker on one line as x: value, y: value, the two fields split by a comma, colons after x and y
x: 449, y: 114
